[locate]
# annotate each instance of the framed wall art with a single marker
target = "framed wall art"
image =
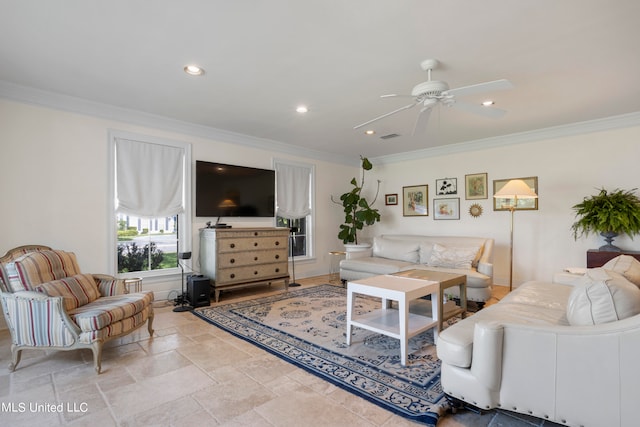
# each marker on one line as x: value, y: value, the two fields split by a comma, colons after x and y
x: 503, y: 204
x: 391, y: 199
x: 414, y: 200
x: 475, y: 186
x: 446, y: 208
x: 446, y: 186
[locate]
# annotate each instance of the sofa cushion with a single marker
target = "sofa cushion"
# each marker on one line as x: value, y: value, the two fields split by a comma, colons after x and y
x: 452, y: 257
x: 39, y: 267
x: 374, y: 265
x: 107, y: 310
x: 396, y: 249
x: 601, y: 297
x: 532, y: 303
x: 76, y: 291
x: 626, y: 265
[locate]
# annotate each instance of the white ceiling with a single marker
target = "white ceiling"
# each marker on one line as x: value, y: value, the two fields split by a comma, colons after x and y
x: 570, y: 61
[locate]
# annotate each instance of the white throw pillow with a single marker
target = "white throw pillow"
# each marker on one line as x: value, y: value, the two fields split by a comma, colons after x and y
x: 452, y: 257
x: 602, y: 296
x: 396, y: 249
x: 626, y: 265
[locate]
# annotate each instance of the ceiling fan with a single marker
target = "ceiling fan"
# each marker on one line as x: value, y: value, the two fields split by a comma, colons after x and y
x: 432, y: 92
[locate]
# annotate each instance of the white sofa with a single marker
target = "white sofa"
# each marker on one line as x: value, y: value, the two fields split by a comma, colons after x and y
x: 391, y: 253
x: 564, y: 352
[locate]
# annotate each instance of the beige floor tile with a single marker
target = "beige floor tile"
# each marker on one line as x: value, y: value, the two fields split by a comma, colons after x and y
x: 193, y: 374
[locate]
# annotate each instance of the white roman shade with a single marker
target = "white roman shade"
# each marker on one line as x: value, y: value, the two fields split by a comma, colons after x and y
x: 293, y: 190
x: 149, y: 179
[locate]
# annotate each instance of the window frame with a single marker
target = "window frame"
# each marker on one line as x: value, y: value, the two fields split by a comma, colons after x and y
x: 184, y: 219
x: 309, y: 219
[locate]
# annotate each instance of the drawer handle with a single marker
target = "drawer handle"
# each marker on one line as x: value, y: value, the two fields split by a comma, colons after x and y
x: 277, y: 270
x: 255, y: 243
x: 255, y: 272
x: 255, y: 258
x: 233, y: 275
x: 277, y: 256
x: 255, y: 233
x: 277, y: 243
x: 232, y: 260
x: 233, y: 245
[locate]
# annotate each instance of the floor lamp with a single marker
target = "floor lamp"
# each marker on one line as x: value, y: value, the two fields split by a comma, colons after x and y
x: 514, y: 189
x: 293, y: 231
x: 183, y: 307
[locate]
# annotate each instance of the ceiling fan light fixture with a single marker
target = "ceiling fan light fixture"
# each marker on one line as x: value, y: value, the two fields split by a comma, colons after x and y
x: 193, y: 70
x: 369, y: 132
x: 488, y: 103
x: 302, y: 109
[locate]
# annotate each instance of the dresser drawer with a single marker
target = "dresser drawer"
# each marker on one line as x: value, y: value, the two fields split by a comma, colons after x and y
x: 228, y: 276
x: 251, y: 244
x: 250, y: 233
x: 239, y: 259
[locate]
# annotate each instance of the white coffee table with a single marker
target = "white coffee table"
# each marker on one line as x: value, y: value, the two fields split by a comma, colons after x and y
x: 400, y: 323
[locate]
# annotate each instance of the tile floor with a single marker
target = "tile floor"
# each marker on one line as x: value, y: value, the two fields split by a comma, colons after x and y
x: 190, y: 374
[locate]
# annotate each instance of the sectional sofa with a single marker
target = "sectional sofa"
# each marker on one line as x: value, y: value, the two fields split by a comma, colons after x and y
x: 565, y: 352
x: 391, y: 253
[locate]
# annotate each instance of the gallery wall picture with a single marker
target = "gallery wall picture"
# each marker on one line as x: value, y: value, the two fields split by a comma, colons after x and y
x: 446, y: 208
x: 415, y: 199
x: 446, y: 186
x: 475, y: 186
x: 391, y: 199
x: 503, y: 204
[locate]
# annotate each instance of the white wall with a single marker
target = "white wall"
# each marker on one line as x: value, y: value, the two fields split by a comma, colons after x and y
x: 54, y: 178
x: 567, y: 168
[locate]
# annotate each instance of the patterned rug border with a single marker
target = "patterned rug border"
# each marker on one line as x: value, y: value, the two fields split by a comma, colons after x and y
x: 326, y: 364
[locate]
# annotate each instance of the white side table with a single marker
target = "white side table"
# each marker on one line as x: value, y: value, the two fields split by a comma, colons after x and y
x: 400, y: 323
x: 334, y: 268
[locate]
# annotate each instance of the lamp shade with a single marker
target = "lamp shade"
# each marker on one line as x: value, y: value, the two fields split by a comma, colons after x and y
x: 516, y: 188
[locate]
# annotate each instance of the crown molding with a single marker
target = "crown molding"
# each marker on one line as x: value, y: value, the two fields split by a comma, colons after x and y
x: 82, y: 106
x: 579, y: 128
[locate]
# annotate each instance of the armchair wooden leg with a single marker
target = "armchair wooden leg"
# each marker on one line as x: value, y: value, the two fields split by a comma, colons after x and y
x: 16, y: 354
x: 96, y: 348
x: 150, y: 324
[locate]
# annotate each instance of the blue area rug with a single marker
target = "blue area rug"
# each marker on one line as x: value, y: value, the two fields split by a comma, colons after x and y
x: 307, y: 327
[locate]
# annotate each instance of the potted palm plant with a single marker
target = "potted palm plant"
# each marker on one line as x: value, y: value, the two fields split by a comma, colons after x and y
x: 357, y: 209
x: 610, y: 214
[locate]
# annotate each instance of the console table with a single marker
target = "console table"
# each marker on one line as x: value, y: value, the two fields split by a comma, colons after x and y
x: 239, y: 257
x: 596, y: 258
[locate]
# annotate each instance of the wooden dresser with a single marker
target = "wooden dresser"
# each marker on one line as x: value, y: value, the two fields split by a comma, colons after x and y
x: 239, y: 257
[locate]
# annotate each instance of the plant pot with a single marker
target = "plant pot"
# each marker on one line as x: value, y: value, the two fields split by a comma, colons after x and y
x: 608, y: 237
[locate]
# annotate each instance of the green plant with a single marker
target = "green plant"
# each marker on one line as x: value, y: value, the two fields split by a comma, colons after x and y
x: 617, y: 212
x: 358, y: 211
x: 133, y: 258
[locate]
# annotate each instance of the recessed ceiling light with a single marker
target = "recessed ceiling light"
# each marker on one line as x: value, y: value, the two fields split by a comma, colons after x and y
x: 302, y: 109
x: 369, y: 132
x: 193, y: 70
x: 488, y: 103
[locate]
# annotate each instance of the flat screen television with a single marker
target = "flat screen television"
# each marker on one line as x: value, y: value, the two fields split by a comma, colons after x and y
x: 234, y: 191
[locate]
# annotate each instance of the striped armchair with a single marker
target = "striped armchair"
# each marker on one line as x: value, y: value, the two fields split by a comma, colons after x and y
x: 49, y: 304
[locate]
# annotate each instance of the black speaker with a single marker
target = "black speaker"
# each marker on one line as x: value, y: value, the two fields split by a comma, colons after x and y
x: 198, y: 291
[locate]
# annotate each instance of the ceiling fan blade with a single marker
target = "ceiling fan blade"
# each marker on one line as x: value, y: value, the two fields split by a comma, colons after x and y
x: 494, y: 113
x: 406, y: 107
x: 480, y: 88
x: 395, y: 95
x: 421, y: 122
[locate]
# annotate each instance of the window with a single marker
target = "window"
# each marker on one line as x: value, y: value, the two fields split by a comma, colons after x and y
x: 294, y: 203
x: 151, y: 204
x: 146, y: 244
